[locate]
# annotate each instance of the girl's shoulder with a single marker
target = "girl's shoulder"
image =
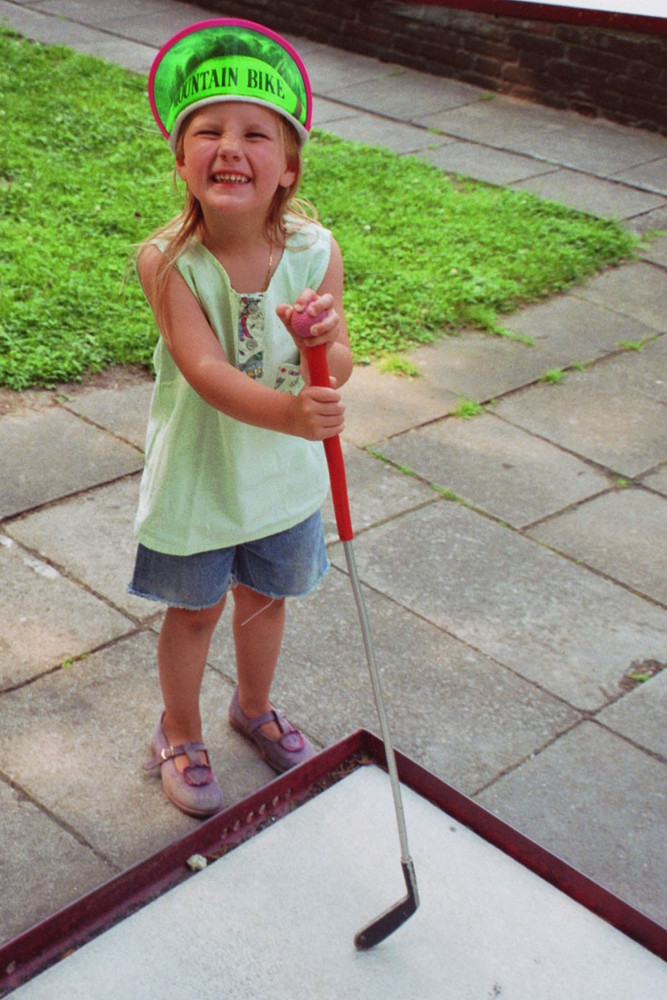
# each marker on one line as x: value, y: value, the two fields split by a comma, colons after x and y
x: 305, y: 234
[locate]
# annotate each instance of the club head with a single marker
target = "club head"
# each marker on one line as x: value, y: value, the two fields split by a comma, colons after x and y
x: 392, y: 918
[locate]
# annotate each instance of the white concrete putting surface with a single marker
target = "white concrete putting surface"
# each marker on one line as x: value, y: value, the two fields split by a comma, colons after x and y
x: 277, y: 916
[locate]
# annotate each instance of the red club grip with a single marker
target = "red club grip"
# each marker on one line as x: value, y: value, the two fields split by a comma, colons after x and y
x: 319, y: 375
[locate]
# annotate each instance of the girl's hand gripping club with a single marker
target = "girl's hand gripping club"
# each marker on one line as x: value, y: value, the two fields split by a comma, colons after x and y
x: 396, y: 915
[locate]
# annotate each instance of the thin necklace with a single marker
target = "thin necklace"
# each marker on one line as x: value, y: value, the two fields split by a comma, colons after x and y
x: 269, y: 269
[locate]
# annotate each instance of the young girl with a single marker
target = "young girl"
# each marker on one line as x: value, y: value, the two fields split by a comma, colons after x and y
x: 235, y: 471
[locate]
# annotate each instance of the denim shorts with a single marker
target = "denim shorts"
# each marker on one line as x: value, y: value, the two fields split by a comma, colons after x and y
x: 288, y: 564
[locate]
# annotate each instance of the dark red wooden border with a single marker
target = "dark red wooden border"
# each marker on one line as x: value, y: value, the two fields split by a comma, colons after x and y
x: 51, y: 940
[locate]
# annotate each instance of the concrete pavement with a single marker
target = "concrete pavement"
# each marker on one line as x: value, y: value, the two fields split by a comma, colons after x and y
x: 514, y: 580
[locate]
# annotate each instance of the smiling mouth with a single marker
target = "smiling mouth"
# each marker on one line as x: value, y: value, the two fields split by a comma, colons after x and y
x: 230, y: 179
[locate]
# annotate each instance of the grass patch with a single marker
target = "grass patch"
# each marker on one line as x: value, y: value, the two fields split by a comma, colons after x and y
x: 84, y: 176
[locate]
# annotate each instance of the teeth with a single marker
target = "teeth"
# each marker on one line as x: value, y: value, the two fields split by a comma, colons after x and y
x: 230, y: 179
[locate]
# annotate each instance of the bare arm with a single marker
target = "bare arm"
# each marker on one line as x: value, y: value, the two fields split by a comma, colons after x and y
x: 315, y: 414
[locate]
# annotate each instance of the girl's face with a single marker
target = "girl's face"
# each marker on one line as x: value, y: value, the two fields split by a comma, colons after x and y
x: 233, y: 158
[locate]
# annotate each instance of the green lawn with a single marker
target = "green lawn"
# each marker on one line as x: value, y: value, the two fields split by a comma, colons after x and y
x: 85, y: 175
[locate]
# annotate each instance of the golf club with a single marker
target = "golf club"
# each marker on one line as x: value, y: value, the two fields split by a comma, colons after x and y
x: 396, y: 915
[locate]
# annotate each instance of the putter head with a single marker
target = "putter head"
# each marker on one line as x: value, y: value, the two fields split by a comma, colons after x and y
x: 392, y: 918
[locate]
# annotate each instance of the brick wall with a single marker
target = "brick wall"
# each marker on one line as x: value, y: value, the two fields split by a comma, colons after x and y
x: 618, y: 75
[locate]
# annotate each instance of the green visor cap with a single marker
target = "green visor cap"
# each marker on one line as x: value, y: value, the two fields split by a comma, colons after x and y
x: 228, y: 60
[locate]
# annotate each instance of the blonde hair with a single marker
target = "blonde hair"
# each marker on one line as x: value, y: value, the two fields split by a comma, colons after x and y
x: 286, y: 215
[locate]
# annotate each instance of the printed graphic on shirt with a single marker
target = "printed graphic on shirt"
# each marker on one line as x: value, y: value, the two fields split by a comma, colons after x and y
x: 289, y: 379
x: 250, y: 331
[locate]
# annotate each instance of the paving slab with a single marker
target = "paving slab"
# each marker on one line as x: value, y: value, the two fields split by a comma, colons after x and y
x: 330, y: 69
x: 657, y: 480
x: 75, y: 742
x: 647, y: 374
x: 482, y: 162
x: 29, y: 472
x: 477, y: 366
x: 655, y: 250
x: 441, y: 694
x: 651, y: 176
x: 46, y: 618
x: 406, y: 95
x: 552, y: 622
x: 51, y: 30
x: 42, y: 864
x: 640, y: 714
x: 621, y: 534
x: 486, y: 925
x: 123, y: 411
x: 563, y: 137
x: 593, y: 195
x: 500, y: 469
x: 376, y: 491
x: 378, y: 404
x: 325, y: 113
x: 373, y: 131
x: 598, y: 802
x: 596, y: 415
x: 638, y: 290
x: 571, y: 329
x: 565, y: 330
x: 91, y: 537
x: 648, y: 222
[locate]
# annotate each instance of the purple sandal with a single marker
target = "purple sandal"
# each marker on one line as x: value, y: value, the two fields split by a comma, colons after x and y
x: 290, y: 749
x: 194, y: 790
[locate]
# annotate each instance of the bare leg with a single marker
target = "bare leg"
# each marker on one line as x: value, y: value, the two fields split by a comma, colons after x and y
x: 183, y: 647
x: 258, y: 625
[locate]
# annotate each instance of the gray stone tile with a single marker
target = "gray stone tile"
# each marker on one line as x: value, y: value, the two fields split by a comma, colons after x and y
x: 555, y: 136
x: 484, y: 163
x: 52, y: 30
x: 97, y: 15
x: 327, y: 114
x: 593, y: 414
x: 373, y: 131
x: 652, y: 176
x: 637, y: 290
x: 441, y: 694
x: 621, y: 534
x: 406, y: 95
x: 376, y: 492
x: 500, y: 469
x: 378, y: 405
x: 640, y: 714
x: 331, y: 69
x: 550, y: 621
x: 29, y: 471
x: 91, y: 538
x: 502, y: 122
x: 655, y: 250
x: 478, y: 366
x: 75, y: 742
x: 565, y: 330
x: 593, y: 195
x: 571, y: 329
x: 46, y: 618
x: 599, y: 803
x: 645, y: 370
x: 123, y: 411
x: 648, y: 222
x: 43, y: 865
x: 657, y: 480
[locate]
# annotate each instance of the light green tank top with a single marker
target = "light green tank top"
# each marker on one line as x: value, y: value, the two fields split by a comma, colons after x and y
x: 210, y: 481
